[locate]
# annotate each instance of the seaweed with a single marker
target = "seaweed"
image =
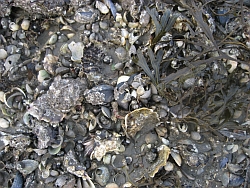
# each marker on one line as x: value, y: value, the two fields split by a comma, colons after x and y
x: 163, y: 25
x: 155, y: 63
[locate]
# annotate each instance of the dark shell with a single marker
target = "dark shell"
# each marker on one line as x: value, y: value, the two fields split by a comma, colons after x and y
x: 99, y: 95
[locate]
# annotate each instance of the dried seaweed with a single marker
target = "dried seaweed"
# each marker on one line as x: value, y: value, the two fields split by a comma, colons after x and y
x: 163, y: 25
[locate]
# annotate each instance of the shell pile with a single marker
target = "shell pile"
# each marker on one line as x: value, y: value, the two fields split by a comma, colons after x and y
x: 124, y: 93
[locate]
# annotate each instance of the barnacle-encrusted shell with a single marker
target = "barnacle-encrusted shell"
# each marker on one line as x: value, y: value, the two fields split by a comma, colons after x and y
x: 85, y: 15
x: 61, y: 96
x: 99, y: 95
x: 105, y: 146
x: 139, y: 118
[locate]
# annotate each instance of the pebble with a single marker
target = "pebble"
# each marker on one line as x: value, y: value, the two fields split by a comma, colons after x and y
x: 195, y: 135
x: 95, y: 28
x: 103, y: 25
x: 2, y: 96
x: 121, y: 53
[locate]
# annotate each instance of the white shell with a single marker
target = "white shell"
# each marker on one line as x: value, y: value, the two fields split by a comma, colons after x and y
x: 102, y: 7
x: 76, y: 50
x: 25, y: 24
x: 3, y: 54
x: 233, y: 65
x: 13, y: 26
x: 4, y: 123
x: 42, y: 75
x: 176, y: 157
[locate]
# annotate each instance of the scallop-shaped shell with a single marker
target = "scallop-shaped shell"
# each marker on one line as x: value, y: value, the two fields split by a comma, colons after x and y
x: 138, y: 119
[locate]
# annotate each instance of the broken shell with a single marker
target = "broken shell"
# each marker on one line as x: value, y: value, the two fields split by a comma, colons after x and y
x: 3, y: 54
x: 43, y: 75
x: 102, y: 175
x: 67, y: 28
x: 14, y: 98
x: 76, y: 50
x: 27, y: 166
x: 25, y: 24
x: 102, y: 7
x: 176, y: 157
x: 4, y: 123
x: 64, y: 49
x: 163, y: 154
x: 13, y: 26
x: 85, y: 15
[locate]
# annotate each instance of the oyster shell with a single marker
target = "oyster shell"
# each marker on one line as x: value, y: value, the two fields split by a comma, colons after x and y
x: 61, y: 96
x: 138, y: 119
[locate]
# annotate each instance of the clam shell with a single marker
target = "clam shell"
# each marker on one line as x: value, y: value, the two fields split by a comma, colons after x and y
x: 25, y: 24
x: 4, y: 123
x: 176, y: 157
x: 102, y: 7
x: 3, y: 54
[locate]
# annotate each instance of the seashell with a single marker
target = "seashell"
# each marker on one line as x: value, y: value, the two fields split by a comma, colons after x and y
x: 124, y: 33
x: 169, y: 167
x: 163, y: 154
x: 138, y: 119
x: 13, y: 98
x: 70, y: 35
x: 53, y: 39
x: 99, y: 95
x: 133, y: 24
x: 102, y: 175
x: 64, y: 49
x: 43, y: 75
x: 3, y: 54
x: 121, y: 53
x: 233, y: 65
x: 111, y: 185
x: 13, y: 26
x: 107, y: 159
x: 106, y: 111
x: 67, y: 28
x: 85, y: 15
x: 25, y: 24
x: 146, y: 94
x: 76, y: 50
x: 102, y: 7
x: 18, y: 181
x: 235, y: 168
x: 245, y: 67
x: 133, y: 38
x: 144, y: 18
x: 176, y: 157
x: 4, y: 123
x: 11, y: 61
x: 123, y: 41
x: 27, y: 166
